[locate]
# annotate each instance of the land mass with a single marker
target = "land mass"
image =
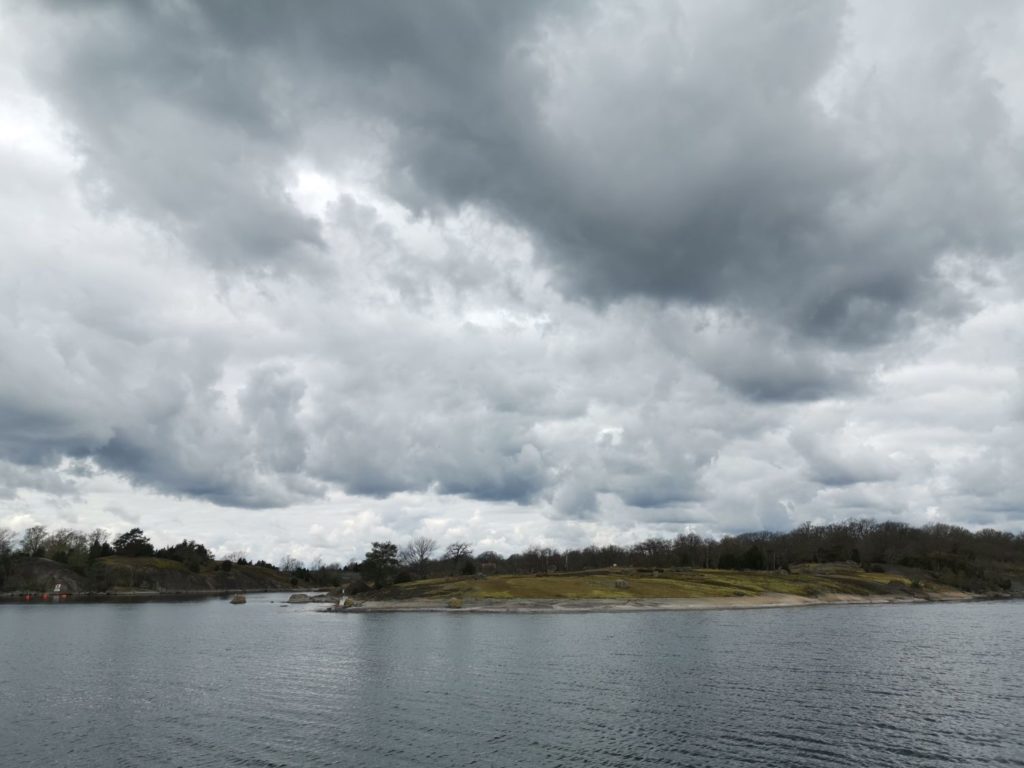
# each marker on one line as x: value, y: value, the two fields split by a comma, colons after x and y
x: 126, y: 578
x: 627, y: 589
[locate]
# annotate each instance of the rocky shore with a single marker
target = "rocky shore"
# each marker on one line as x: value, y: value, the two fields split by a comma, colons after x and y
x: 613, y: 605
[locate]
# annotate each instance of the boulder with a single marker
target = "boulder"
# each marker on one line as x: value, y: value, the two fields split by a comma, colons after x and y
x: 298, y: 598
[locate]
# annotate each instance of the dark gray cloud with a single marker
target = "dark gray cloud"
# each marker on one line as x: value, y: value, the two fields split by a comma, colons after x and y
x: 690, y: 156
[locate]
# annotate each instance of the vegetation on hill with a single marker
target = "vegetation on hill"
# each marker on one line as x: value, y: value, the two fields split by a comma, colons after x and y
x: 880, y: 557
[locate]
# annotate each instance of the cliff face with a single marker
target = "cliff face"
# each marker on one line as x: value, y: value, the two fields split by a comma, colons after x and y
x: 142, y: 574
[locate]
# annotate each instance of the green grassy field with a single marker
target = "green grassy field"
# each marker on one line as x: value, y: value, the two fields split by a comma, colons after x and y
x: 811, y: 582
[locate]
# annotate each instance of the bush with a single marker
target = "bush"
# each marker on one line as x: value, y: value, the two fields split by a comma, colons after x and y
x: 403, y: 577
x: 357, y: 587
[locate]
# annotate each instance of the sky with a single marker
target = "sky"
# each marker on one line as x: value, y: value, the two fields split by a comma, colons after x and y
x: 288, y: 280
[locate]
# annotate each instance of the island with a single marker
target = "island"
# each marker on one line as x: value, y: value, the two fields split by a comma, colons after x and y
x: 637, y: 589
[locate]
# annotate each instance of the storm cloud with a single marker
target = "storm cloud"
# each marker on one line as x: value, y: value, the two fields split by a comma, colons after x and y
x: 513, y: 271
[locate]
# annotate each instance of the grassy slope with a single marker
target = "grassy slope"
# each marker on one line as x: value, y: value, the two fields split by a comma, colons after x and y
x: 689, y: 583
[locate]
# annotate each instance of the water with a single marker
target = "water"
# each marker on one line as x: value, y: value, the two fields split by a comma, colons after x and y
x: 208, y: 684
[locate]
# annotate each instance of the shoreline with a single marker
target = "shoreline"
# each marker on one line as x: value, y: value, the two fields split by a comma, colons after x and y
x: 632, y: 605
x: 136, y: 596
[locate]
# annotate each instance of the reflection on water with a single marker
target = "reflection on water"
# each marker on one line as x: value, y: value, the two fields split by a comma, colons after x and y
x: 208, y: 684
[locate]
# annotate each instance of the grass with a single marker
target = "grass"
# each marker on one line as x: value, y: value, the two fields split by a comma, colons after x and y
x: 669, y: 584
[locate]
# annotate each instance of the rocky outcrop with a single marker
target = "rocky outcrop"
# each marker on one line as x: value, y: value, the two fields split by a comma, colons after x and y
x: 136, y: 574
x: 37, y: 574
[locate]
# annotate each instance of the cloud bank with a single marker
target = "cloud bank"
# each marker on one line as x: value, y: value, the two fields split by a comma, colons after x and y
x: 518, y: 272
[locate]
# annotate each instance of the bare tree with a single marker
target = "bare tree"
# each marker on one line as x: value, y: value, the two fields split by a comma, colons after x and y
x: 98, y: 537
x: 417, y: 553
x: 32, y: 540
x: 458, y: 550
x: 6, y: 542
x: 456, y: 553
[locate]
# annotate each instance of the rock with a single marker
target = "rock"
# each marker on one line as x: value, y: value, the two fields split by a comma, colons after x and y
x: 349, y: 602
x: 299, y: 598
x: 455, y: 602
x: 238, y: 599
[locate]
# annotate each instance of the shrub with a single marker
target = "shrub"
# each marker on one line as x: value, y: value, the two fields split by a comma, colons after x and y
x: 357, y: 587
x: 403, y: 577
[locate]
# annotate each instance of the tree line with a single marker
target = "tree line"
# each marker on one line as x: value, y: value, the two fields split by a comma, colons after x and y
x: 953, y: 553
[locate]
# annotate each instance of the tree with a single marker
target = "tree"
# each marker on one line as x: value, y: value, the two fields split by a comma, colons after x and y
x: 753, y: 559
x: 381, y: 561
x: 6, y: 543
x: 456, y: 552
x: 192, y: 554
x: 418, y: 552
x: 291, y: 564
x: 133, y: 543
x: 66, y: 545
x: 99, y: 544
x: 6, y: 550
x: 32, y: 541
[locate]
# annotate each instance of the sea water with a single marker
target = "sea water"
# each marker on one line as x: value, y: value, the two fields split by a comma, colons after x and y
x: 266, y: 684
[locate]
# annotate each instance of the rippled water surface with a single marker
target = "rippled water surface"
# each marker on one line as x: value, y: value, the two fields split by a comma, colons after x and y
x: 208, y: 684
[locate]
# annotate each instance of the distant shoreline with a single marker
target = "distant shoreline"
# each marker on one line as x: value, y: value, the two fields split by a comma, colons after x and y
x: 140, y: 596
